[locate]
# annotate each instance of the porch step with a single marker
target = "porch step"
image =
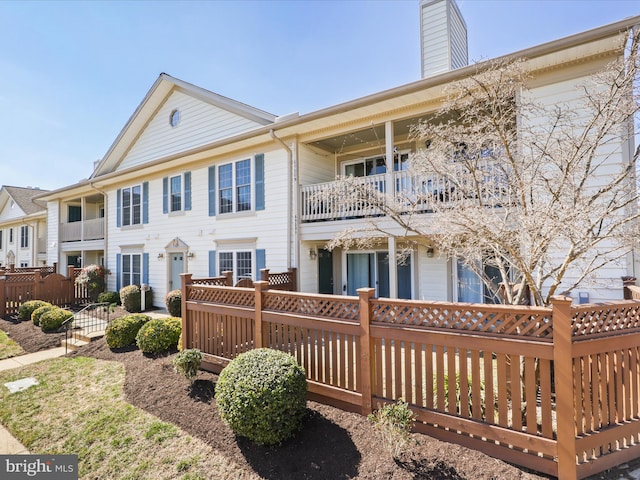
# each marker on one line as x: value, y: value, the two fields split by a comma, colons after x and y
x: 88, y: 337
x: 73, y: 344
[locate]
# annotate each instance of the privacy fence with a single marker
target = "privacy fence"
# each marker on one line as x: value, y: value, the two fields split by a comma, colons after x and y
x: 553, y: 389
x: 19, y: 285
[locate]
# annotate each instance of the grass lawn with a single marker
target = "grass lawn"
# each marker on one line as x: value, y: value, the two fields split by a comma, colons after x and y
x: 8, y: 348
x: 79, y: 408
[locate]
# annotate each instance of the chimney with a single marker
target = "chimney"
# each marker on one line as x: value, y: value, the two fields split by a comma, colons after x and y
x: 443, y: 36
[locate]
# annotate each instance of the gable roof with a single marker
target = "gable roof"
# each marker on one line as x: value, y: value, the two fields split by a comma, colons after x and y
x: 157, y: 95
x: 25, y: 198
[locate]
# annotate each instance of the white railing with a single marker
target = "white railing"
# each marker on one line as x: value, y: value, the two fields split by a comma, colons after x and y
x: 336, y: 201
x: 92, y: 229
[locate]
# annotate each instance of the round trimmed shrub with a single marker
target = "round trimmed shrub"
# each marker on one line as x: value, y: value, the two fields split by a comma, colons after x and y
x: 122, y: 331
x: 188, y: 363
x: 38, y: 312
x: 27, y: 308
x: 109, y: 297
x: 173, y: 301
x: 52, y: 319
x: 261, y: 395
x: 130, y: 298
x: 159, y: 335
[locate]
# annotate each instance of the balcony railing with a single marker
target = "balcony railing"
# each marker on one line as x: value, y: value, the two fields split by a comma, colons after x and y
x: 92, y: 229
x: 336, y: 201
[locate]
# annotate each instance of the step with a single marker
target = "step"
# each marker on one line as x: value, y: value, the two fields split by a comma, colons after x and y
x: 73, y: 344
x: 88, y: 337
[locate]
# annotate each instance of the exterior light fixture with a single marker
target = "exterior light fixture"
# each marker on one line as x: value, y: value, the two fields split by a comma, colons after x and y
x: 430, y: 252
x: 313, y: 254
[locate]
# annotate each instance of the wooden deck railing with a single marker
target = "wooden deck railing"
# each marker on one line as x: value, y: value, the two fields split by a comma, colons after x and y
x: 552, y: 389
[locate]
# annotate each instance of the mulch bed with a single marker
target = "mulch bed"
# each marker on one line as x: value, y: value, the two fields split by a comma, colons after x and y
x: 333, y: 444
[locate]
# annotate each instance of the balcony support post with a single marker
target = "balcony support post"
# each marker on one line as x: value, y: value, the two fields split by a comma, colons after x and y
x: 390, y: 193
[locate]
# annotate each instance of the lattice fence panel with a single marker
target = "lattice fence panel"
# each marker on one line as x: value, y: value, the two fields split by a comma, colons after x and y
x: 244, y: 297
x: 280, y: 281
x: 214, y: 281
x: 496, y: 319
x: 595, y: 319
x: 330, y: 307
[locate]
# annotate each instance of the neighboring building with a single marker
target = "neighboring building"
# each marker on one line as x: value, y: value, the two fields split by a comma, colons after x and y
x: 23, y: 231
x: 200, y: 183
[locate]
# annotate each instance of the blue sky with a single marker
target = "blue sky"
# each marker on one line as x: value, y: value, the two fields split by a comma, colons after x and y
x: 72, y: 73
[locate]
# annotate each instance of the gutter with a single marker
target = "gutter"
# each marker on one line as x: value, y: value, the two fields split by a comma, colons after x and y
x: 291, y: 242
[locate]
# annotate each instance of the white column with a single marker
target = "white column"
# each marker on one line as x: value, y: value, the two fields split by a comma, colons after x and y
x: 390, y: 189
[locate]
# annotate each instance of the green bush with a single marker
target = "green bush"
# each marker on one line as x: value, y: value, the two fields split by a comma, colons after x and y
x: 393, y: 423
x: 52, y: 319
x: 173, y: 301
x: 109, y: 297
x: 38, y: 312
x: 261, y: 395
x: 188, y: 363
x: 130, y: 297
x: 159, y: 335
x: 27, y: 308
x: 122, y: 331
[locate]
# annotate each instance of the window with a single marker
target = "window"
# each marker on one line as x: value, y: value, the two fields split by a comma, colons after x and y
x: 131, y: 205
x: 240, y: 263
x: 1, y: 232
x: 376, y: 165
x: 24, y: 264
x: 74, y: 213
x: 174, y: 118
x: 11, y: 235
x: 235, y: 186
x: 24, y: 236
x: 176, y: 194
x: 131, y: 269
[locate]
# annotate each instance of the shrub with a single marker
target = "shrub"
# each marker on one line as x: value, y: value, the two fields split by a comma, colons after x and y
x: 173, y: 301
x: 130, y: 298
x: 393, y: 423
x: 52, y: 319
x: 261, y: 395
x: 27, y: 308
x: 122, y: 331
x: 93, y: 277
x: 109, y: 297
x: 159, y: 335
x: 188, y: 363
x: 38, y: 312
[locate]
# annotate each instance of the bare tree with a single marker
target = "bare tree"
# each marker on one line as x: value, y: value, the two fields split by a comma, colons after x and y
x: 545, y: 193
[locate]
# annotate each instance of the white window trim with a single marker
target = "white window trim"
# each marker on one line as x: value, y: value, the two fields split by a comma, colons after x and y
x: 169, y: 193
x: 235, y: 252
x: 24, y: 245
x: 130, y: 224
x: 122, y: 272
x: 234, y: 202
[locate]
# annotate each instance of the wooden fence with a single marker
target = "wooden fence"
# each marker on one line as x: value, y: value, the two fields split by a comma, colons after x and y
x: 41, y: 283
x: 552, y: 389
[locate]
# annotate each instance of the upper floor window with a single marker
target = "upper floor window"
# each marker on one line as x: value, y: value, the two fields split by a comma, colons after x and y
x: 176, y: 193
x: 133, y: 204
x: 11, y: 235
x: 235, y: 186
x: 365, y: 167
x: 74, y: 213
x: 24, y: 236
x: 1, y: 239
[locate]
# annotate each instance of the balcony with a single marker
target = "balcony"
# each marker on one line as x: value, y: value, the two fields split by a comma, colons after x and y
x: 92, y: 229
x: 363, y: 197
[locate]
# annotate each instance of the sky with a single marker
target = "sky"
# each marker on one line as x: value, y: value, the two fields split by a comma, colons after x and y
x: 72, y: 73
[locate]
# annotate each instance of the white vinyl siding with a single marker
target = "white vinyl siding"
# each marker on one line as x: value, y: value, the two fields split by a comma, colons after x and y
x: 200, y: 123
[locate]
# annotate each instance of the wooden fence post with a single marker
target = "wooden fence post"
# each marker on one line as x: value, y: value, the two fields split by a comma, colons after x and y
x: 260, y: 286
x: 293, y: 278
x: 185, y: 280
x: 563, y: 369
x: 72, y: 283
x: 264, y: 274
x: 36, y: 285
x: 365, y: 295
x: 626, y: 283
x: 3, y: 295
x: 229, y: 278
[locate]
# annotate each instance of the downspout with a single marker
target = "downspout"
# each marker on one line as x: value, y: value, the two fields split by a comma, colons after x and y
x: 292, y: 179
x: 106, y: 223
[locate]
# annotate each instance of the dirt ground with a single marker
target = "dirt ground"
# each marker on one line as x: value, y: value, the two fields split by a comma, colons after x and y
x: 332, y: 444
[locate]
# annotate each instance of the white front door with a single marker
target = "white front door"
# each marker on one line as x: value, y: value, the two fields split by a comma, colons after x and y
x: 177, y: 267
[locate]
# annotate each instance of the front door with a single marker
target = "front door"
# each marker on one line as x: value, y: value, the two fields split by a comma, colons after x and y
x: 177, y: 267
x: 325, y: 271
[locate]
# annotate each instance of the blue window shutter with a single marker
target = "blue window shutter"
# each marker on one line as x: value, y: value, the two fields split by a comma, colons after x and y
x: 261, y: 261
x: 119, y: 208
x: 187, y: 190
x: 145, y: 268
x: 212, y: 263
x: 165, y: 195
x: 212, y: 191
x: 259, y: 175
x: 145, y: 202
x: 118, y: 270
